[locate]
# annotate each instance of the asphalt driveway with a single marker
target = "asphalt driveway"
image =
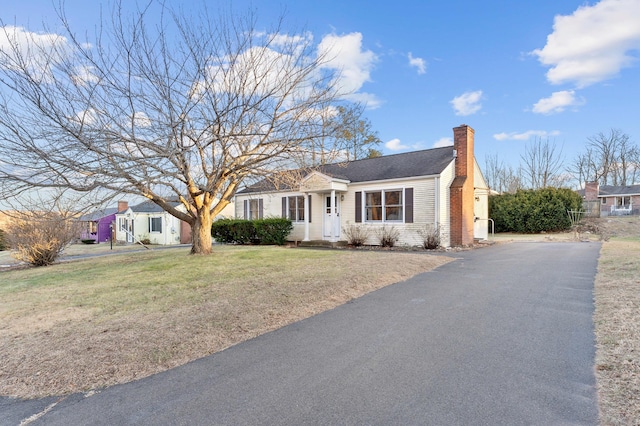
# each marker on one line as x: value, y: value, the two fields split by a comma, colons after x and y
x: 502, y: 335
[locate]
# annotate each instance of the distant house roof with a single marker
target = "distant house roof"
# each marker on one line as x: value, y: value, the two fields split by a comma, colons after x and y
x: 150, y: 207
x: 98, y: 214
x: 429, y: 162
x: 610, y: 190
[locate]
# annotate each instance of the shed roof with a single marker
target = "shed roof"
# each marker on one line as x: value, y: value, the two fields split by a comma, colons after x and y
x: 98, y: 214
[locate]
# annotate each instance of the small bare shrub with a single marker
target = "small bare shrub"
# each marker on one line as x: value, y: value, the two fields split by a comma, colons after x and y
x: 39, y: 238
x: 356, y: 234
x: 388, y: 236
x: 430, y: 237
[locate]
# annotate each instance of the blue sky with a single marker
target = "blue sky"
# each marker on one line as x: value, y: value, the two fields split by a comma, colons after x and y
x: 513, y: 70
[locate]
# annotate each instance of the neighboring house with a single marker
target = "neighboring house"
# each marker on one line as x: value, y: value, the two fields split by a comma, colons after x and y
x: 441, y: 188
x: 97, y: 225
x: 148, y: 220
x: 610, y: 200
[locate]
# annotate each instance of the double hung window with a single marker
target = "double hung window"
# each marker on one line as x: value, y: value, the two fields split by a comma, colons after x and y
x: 384, y: 206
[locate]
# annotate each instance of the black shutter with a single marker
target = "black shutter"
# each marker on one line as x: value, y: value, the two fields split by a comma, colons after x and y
x: 358, y: 207
x: 246, y: 209
x: 284, y: 207
x: 309, y: 208
x: 408, y: 205
x: 260, y: 207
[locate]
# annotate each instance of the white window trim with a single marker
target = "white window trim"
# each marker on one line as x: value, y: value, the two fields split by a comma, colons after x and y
x: 151, y: 231
x: 298, y: 208
x: 384, y: 211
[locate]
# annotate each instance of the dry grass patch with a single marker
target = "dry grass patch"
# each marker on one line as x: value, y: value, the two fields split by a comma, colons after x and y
x: 88, y: 324
x: 617, y: 324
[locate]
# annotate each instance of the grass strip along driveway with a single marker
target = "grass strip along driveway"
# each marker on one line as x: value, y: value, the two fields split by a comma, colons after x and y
x: 88, y: 324
x: 617, y: 325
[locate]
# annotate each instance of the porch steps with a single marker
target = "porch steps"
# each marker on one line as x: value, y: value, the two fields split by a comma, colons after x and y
x: 321, y: 243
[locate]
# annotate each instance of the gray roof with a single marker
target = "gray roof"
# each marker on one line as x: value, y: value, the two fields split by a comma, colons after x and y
x: 610, y: 190
x: 429, y: 162
x: 98, y: 214
x: 150, y: 207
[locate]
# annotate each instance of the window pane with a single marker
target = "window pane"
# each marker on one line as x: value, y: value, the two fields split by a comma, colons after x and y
x: 300, y: 202
x: 373, y: 198
x: 393, y: 198
x: 393, y: 213
x: 374, y: 213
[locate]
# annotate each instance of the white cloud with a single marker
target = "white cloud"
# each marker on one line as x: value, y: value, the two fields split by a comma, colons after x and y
x: 557, y: 102
x: 40, y: 50
x: 524, y: 136
x: 345, y: 54
x: 592, y: 44
x: 443, y: 142
x: 395, y: 145
x: 419, y: 63
x: 468, y: 103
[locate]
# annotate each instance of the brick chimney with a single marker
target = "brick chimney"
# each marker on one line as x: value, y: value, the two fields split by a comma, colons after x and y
x: 122, y: 205
x: 591, y: 191
x: 462, y: 188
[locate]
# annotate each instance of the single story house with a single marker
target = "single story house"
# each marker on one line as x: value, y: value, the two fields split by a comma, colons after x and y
x: 610, y: 200
x: 148, y: 220
x: 439, y: 188
x: 97, y: 225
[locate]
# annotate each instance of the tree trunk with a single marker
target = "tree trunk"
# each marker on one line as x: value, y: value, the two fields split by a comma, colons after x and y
x: 201, y: 233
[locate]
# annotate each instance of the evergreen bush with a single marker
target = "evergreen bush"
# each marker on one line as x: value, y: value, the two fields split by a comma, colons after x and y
x: 534, y: 211
x: 261, y: 231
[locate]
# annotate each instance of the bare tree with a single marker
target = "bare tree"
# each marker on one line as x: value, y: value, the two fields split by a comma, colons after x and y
x: 541, y: 164
x: 158, y: 104
x: 501, y: 178
x: 610, y: 159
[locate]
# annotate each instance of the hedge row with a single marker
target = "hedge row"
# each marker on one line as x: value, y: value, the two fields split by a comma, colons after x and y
x: 4, y: 244
x: 262, y: 231
x: 534, y: 211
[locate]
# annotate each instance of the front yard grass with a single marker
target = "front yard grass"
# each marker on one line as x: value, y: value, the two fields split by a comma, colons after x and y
x: 88, y: 324
x: 617, y: 326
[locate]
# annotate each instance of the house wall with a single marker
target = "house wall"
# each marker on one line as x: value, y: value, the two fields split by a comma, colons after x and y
x: 446, y: 178
x: 424, y: 208
x: 481, y: 205
x: 605, y: 207
x: 170, y: 228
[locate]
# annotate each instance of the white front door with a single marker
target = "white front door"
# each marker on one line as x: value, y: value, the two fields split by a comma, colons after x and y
x: 331, y: 220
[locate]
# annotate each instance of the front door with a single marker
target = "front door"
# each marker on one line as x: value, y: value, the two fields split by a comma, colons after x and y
x: 331, y: 220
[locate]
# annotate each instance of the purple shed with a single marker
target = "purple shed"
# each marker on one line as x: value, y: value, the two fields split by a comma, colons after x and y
x: 96, y: 226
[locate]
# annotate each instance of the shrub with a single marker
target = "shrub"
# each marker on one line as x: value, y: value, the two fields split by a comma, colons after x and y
x: 39, y: 238
x: 388, y: 236
x: 262, y: 231
x: 4, y: 245
x: 357, y: 235
x: 272, y: 230
x: 529, y: 211
x: 430, y: 237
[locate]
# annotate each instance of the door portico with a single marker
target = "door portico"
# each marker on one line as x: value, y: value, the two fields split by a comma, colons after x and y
x: 329, y: 188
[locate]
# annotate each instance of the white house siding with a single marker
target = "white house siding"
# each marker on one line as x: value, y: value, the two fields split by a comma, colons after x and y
x: 170, y: 228
x: 423, y: 209
x: 480, y: 205
x: 446, y: 178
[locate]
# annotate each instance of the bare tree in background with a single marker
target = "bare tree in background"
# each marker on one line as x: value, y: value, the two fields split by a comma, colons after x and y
x: 541, y: 164
x: 500, y: 177
x: 610, y: 159
x: 158, y: 104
